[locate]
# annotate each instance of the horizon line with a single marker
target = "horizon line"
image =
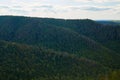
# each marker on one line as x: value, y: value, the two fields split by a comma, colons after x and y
x: 60, y: 18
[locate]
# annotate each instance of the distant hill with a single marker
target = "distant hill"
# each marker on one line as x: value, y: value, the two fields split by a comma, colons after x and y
x: 49, y: 34
x: 73, y: 47
x: 108, y: 22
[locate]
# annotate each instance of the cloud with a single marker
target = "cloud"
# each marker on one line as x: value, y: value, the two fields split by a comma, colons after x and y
x: 63, y: 8
x: 45, y: 8
x: 19, y: 11
x: 17, y: 6
x: 96, y: 9
x: 90, y: 8
x: 4, y: 7
x: 97, y: 1
x: 50, y: 8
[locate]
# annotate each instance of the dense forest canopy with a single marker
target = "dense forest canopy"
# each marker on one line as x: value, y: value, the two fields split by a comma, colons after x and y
x: 57, y: 49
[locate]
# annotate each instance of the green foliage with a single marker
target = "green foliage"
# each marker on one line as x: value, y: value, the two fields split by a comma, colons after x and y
x: 57, y: 49
x: 114, y: 75
x: 22, y: 62
x: 77, y: 37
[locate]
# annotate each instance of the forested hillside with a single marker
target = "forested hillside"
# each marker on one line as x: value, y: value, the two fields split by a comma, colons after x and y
x: 58, y: 49
x: 23, y: 62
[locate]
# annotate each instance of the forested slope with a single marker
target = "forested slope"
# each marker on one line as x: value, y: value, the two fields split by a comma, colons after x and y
x: 23, y: 62
x: 46, y: 48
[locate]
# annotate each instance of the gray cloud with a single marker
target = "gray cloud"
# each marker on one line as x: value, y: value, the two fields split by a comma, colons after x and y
x: 90, y: 8
x: 45, y: 8
x: 17, y: 6
x: 75, y: 8
x: 18, y: 11
x: 4, y: 7
x: 96, y: 1
x: 96, y: 9
x: 53, y: 11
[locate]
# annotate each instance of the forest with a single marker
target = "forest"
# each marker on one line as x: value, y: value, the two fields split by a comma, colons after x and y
x: 59, y: 49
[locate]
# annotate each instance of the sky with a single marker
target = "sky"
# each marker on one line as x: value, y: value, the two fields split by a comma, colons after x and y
x: 66, y: 9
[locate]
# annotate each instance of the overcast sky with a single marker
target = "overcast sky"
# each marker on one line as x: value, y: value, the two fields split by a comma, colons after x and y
x: 67, y: 9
